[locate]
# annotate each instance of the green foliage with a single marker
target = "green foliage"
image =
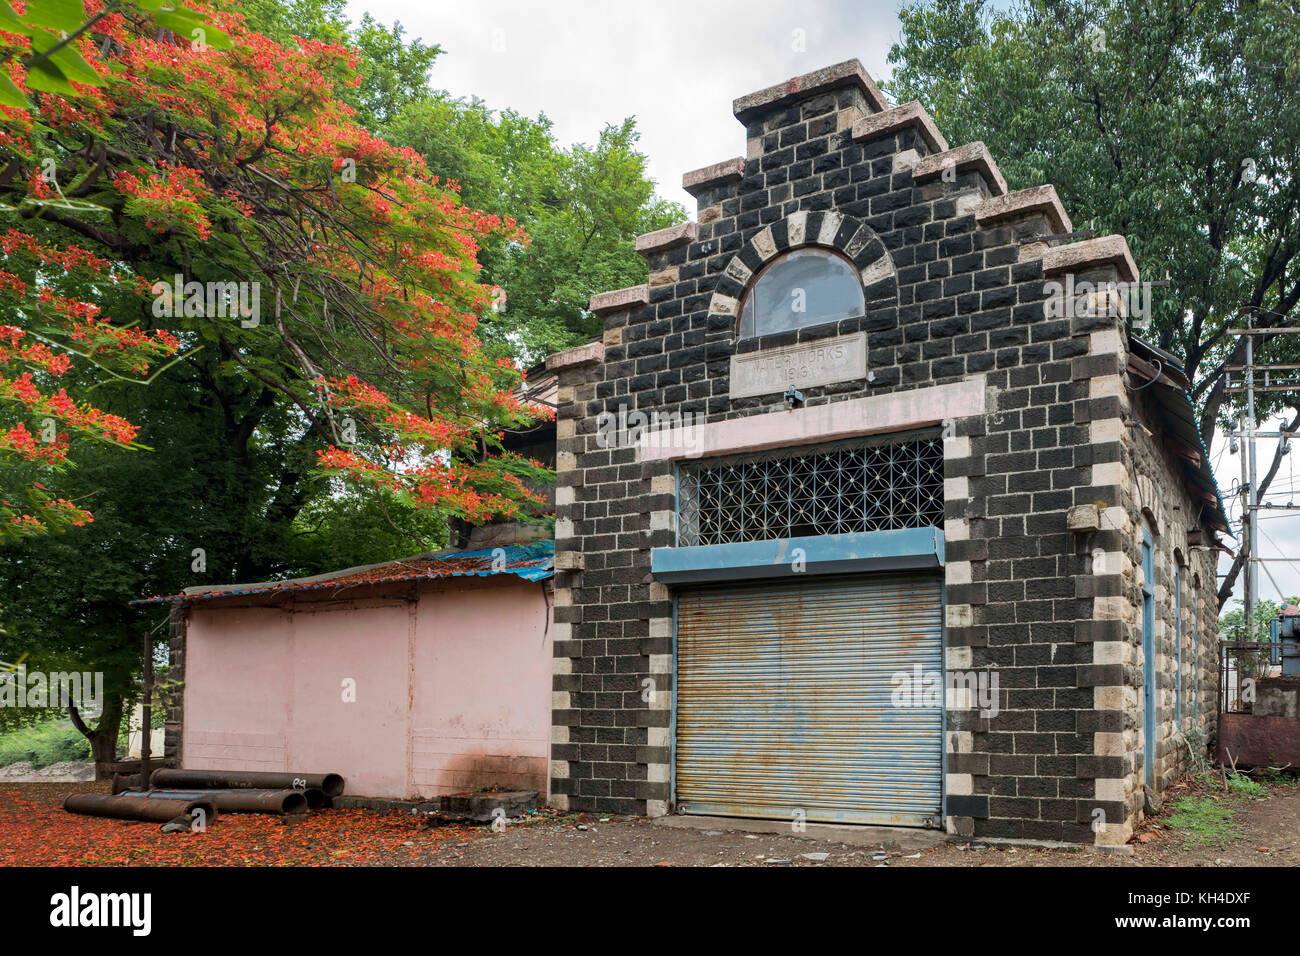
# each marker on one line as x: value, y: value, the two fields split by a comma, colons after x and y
x: 582, y: 207
x: 1243, y: 786
x: 1281, y: 776
x: 1204, y: 821
x: 394, y: 69
x: 52, y: 741
x: 1146, y: 117
x: 54, y: 26
x: 366, y: 529
x: 1232, y: 623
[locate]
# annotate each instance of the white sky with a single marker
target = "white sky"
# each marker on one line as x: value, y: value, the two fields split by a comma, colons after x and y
x: 1280, y: 530
x: 676, y: 66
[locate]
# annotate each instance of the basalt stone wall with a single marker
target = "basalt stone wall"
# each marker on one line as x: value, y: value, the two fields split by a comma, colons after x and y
x: 953, y: 271
x: 174, y: 691
x: 1171, y: 512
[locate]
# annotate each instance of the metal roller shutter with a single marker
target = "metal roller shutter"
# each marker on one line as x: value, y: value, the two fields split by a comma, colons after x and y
x: 784, y: 700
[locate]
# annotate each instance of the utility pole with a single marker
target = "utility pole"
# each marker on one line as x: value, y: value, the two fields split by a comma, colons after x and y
x: 1248, y: 431
x: 1247, y: 566
x: 1252, y: 496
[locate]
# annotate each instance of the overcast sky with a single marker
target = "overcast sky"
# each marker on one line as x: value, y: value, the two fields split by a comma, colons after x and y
x: 676, y: 66
x: 1279, y: 529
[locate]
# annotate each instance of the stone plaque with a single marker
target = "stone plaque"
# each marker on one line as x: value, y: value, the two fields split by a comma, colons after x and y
x: 839, y: 359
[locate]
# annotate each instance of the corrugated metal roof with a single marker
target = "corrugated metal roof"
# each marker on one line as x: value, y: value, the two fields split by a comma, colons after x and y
x: 1178, y: 409
x: 534, y: 561
x: 540, y: 390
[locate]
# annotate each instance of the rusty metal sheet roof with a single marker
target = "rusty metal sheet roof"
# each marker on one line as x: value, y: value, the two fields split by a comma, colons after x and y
x: 1178, y: 410
x: 534, y: 561
x: 539, y: 390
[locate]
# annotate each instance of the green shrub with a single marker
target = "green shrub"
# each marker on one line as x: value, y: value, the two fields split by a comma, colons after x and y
x: 43, y: 744
x: 1282, y: 776
x: 1244, y: 786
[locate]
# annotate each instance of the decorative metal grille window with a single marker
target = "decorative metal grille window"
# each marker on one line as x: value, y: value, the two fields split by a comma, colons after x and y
x: 847, y: 488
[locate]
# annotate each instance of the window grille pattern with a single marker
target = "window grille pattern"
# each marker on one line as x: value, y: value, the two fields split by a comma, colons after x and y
x: 848, y: 488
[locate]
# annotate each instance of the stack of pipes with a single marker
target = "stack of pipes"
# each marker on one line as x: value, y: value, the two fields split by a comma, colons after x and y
x: 191, y: 799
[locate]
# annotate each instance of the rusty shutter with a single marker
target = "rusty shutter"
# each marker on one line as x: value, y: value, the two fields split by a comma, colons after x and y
x: 785, y: 700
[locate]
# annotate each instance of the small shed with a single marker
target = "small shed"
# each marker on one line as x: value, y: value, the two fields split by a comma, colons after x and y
x: 413, y: 678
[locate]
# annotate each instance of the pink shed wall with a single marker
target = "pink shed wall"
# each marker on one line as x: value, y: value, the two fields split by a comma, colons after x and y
x: 452, y: 690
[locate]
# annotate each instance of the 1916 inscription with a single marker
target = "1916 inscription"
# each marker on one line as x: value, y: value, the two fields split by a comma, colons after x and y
x: 841, y: 359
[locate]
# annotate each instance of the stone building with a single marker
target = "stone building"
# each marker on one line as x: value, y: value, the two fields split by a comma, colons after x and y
x: 870, y: 508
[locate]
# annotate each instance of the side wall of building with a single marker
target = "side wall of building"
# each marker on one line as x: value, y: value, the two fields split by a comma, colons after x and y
x: 1185, y: 598
x: 408, y: 694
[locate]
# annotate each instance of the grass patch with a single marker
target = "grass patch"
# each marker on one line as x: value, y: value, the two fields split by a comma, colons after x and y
x: 1243, y: 786
x: 43, y: 744
x: 1204, y: 821
x: 1282, y: 776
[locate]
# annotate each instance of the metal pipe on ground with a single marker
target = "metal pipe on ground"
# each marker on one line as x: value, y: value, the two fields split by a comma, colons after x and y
x: 123, y: 782
x: 281, y: 802
x: 330, y: 784
x: 134, y: 806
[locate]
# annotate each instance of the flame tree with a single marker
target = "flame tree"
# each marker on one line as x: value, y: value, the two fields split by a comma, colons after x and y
x: 211, y: 171
x: 191, y: 212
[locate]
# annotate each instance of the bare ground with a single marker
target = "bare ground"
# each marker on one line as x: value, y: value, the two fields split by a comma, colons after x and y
x: 1270, y: 836
x: 30, y: 818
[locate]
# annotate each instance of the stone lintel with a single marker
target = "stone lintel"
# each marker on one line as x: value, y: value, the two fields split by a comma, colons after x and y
x: 1103, y: 250
x: 604, y: 303
x: 662, y: 239
x: 848, y: 73
x: 588, y: 354
x: 1024, y: 202
x: 971, y: 156
x: 901, y: 117
x: 727, y: 171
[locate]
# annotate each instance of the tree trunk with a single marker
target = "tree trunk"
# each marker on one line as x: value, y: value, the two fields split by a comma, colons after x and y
x: 103, y: 739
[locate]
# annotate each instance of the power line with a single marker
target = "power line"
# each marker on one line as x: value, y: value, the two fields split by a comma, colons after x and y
x: 1289, y: 561
x: 1249, y: 433
x: 1274, y: 583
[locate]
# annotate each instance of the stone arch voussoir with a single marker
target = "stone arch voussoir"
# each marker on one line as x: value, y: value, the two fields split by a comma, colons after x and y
x: 849, y: 236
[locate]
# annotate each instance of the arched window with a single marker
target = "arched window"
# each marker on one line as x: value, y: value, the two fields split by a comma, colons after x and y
x: 804, y: 287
